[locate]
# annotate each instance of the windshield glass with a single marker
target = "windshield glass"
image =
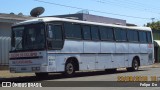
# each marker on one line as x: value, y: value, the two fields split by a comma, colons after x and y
x: 28, y: 37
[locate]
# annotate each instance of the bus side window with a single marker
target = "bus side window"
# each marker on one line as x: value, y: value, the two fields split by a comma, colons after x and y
x: 72, y: 31
x: 106, y: 33
x: 132, y: 36
x: 149, y: 38
x: 135, y: 36
x: 142, y: 37
x: 120, y: 34
x: 58, y: 32
x: 86, y: 32
x: 55, y: 32
x: 95, y: 33
x: 55, y: 37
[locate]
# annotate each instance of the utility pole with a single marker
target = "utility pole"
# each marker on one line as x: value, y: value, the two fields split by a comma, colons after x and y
x: 152, y: 19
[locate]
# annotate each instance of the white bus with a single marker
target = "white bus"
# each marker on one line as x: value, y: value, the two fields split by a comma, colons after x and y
x: 50, y: 44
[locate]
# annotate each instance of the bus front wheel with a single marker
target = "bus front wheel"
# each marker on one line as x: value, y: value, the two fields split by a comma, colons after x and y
x: 69, y: 69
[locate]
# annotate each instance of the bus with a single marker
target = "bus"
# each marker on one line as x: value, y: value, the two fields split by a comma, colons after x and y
x: 49, y: 44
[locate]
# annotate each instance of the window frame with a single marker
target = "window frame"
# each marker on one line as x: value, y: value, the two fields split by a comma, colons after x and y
x: 89, y: 31
x: 61, y: 31
x: 137, y: 35
x: 107, y: 39
x: 92, y: 33
x: 81, y: 36
x: 140, y: 37
x: 120, y: 29
x: 150, y: 37
x: 54, y: 40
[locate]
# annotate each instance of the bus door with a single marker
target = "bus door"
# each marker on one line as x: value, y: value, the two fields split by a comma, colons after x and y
x: 54, y: 43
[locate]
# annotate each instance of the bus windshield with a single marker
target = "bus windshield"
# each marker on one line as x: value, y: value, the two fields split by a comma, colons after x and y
x: 28, y: 37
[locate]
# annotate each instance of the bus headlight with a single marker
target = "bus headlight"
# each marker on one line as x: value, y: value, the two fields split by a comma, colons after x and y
x: 33, y: 68
x: 37, y: 68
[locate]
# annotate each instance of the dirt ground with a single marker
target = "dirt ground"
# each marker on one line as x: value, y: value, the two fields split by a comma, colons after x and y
x: 7, y: 74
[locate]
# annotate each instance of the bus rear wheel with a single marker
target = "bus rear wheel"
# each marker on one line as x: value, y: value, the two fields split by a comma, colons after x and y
x: 135, y: 65
x: 69, y: 69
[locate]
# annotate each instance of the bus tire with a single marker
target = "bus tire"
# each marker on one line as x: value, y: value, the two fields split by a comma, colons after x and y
x: 41, y: 75
x: 135, y: 65
x: 69, y: 69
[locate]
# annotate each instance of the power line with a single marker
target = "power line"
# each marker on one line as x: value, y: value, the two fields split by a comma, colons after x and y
x: 146, y: 7
x: 142, y: 4
x: 134, y: 3
x: 90, y: 10
x: 124, y: 6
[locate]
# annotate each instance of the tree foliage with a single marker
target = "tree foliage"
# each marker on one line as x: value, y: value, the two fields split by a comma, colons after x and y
x: 154, y: 25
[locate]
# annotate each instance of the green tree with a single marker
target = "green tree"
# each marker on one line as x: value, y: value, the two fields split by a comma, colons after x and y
x: 154, y: 25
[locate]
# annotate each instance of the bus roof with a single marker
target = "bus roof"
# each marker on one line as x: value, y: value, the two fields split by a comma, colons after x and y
x: 48, y: 19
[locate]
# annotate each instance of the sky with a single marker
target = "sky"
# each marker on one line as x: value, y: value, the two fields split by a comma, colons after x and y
x: 138, y: 12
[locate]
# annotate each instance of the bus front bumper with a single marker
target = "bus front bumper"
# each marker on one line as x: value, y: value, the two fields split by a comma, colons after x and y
x: 30, y: 69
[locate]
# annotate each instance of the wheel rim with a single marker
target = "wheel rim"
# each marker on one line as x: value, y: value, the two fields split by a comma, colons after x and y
x: 136, y: 65
x: 69, y: 68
